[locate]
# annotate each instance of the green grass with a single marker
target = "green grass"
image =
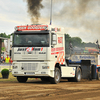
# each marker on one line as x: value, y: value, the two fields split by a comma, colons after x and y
x: 12, y: 78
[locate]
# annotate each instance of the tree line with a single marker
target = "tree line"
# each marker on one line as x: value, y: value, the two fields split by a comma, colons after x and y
x: 76, y: 41
x: 4, y: 35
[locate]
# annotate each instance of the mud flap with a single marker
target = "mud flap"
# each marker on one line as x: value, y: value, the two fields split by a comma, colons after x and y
x: 93, y: 72
x: 86, y: 69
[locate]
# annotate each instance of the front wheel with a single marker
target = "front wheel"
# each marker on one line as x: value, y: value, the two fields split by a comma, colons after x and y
x: 21, y: 79
x: 57, y: 76
x: 78, y: 75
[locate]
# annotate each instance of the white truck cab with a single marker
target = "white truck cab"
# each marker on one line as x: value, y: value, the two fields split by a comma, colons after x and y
x: 38, y: 51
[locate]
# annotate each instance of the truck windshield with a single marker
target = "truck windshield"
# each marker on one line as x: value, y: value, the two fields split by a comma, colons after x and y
x: 31, y: 40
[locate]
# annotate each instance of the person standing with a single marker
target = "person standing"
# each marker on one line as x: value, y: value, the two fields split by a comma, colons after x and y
x: 7, y: 59
x: 2, y: 59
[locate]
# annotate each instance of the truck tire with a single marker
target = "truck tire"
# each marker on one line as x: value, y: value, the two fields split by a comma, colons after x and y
x: 21, y: 79
x: 78, y: 75
x: 57, y: 76
x: 98, y: 76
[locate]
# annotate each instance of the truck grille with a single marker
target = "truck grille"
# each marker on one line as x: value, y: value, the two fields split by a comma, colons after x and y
x: 29, y: 66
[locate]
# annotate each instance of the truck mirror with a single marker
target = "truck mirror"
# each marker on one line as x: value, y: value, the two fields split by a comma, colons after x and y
x: 54, y: 42
x: 54, y: 39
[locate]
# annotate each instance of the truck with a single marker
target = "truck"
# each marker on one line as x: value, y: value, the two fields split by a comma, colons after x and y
x: 38, y: 51
x: 94, y: 60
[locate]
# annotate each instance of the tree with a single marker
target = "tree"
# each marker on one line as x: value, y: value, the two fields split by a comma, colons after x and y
x: 4, y: 35
x: 76, y: 42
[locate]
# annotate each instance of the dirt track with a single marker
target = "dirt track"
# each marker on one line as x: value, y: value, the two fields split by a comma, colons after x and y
x: 37, y: 90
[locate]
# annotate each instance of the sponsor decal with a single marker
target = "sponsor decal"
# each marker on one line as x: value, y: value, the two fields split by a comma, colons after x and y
x: 42, y: 52
x: 53, y: 49
x: 29, y: 49
x: 57, y: 52
x: 93, y: 61
x: 36, y: 49
x: 60, y: 40
x: 84, y: 57
x: 41, y: 49
x: 87, y: 57
x: 56, y: 29
x: 60, y: 57
x: 32, y: 27
x: 73, y: 69
x: 72, y: 73
x: 21, y: 49
x: 57, y: 49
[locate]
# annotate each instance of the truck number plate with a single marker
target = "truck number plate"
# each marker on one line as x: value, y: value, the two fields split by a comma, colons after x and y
x: 30, y: 73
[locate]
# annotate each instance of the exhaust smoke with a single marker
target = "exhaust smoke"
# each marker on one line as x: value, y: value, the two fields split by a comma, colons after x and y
x: 79, y: 17
x: 34, y: 7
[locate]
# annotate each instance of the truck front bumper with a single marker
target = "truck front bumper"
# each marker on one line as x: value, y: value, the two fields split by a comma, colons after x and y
x: 32, y: 69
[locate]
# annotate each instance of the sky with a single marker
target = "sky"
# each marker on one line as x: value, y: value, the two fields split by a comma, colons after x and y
x: 80, y: 18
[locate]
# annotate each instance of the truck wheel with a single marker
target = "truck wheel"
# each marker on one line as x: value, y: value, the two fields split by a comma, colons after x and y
x: 21, y: 79
x: 78, y: 75
x: 57, y: 76
x: 98, y: 76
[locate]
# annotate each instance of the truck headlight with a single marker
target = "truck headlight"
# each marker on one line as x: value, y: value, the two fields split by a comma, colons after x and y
x: 45, y: 67
x: 15, y: 67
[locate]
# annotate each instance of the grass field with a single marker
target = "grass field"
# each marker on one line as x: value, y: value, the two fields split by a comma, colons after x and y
x: 12, y: 78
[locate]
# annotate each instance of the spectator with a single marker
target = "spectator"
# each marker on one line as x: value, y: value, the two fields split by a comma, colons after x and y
x: 2, y: 59
x: 7, y: 59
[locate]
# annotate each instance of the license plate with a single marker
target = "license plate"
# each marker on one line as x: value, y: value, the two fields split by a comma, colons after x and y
x: 30, y: 73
